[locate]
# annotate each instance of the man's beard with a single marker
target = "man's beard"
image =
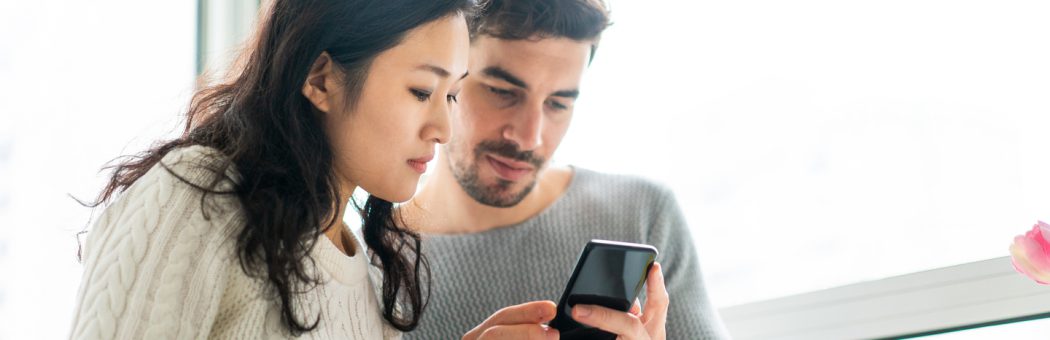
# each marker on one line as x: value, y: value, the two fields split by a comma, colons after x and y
x: 497, y: 195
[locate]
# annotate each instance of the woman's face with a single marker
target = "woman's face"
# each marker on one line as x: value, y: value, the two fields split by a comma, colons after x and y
x: 384, y: 141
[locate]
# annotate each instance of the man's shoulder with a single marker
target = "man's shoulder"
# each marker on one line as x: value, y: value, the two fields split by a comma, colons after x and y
x: 622, y: 206
x: 611, y: 185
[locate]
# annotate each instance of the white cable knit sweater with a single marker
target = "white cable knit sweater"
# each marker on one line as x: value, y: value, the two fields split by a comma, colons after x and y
x: 157, y: 268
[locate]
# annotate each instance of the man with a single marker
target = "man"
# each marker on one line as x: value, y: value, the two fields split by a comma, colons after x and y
x: 502, y: 227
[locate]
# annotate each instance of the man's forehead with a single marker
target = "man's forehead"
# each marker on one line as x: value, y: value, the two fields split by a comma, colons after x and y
x: 555, y: 60
x: 551, y: 48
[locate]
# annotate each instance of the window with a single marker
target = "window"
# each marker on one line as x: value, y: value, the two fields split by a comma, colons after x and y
x: 814, y: 144
x: 82, y: 82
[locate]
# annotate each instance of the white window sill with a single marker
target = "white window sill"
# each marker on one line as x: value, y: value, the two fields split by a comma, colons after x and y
x: 956, y: 297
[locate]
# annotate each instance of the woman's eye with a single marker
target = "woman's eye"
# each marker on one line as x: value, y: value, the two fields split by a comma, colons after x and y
x: 420, y: 94
x: 452, y: 98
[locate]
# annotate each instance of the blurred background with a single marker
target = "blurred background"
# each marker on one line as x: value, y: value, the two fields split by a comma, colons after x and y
x: 812, y: 144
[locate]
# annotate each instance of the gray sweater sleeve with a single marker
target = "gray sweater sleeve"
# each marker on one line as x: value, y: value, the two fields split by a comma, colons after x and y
x: 690, y: 314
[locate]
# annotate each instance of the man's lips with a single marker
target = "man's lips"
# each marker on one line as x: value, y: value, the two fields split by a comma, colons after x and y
x: 509, y: 170
x: 511, y: 163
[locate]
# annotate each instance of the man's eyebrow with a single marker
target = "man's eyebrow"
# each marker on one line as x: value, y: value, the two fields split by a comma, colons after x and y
x: 567, y: 93
x: 499, y: 73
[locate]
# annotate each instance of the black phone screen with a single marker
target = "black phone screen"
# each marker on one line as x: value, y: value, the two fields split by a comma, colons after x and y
x: 608, y: 274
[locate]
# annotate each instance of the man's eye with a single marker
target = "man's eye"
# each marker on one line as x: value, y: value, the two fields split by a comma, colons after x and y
x: 557, y: 106
x: 500, y: 92
x: 420, y: 94
x: 452, y: 98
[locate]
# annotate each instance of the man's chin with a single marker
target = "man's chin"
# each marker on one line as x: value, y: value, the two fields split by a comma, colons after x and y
x: 504, y: 194
x: 482, y: 183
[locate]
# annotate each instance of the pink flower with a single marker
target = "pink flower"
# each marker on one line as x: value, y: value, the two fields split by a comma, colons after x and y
x: 1031, y: 253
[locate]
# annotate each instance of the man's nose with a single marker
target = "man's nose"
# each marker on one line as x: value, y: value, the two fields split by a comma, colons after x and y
x: 527, y: 128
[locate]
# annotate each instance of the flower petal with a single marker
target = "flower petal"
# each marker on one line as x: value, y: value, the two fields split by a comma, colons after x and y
x: 1036, y: 254
x: 1044, y: 230
x: 1023, y: 266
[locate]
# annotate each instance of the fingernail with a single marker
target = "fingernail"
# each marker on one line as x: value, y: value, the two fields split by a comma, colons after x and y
x: 552, y: 333
x: 582, y: 311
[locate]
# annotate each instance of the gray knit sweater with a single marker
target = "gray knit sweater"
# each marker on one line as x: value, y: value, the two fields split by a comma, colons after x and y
x: 476, y: 274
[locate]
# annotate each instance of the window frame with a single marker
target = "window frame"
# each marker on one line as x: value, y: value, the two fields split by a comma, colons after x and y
x: 222, y: 27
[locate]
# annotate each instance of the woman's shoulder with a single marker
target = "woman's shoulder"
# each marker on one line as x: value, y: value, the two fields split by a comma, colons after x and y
x: 165, y: 243
x: 192, y: 174
x: 198, y: 165
x: 189, y: 185
x: 190, y: 180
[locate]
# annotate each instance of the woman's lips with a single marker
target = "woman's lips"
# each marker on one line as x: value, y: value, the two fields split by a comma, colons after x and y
x: 419, y: 167
x: 420, y: 164
x: 507, y: 171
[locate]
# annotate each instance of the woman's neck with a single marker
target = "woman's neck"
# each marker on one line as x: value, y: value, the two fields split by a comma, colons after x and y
x: 337, y: 231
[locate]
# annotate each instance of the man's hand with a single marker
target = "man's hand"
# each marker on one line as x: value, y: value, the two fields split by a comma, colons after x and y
x: 524, y: 321
x: 637, y: 324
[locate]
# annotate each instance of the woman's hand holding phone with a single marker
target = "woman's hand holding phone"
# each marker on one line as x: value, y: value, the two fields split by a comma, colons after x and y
x: 524, y: 321
x: 638, y: 324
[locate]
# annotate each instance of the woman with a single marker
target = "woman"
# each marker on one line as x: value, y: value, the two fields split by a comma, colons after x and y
x: 235, y: 229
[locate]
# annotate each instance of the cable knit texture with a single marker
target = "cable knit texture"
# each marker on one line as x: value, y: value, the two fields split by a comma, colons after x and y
x: 477, y: 274
x: 159, y: 264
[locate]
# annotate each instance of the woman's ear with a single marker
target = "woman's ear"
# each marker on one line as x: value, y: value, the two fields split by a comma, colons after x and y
x: 317, y: 87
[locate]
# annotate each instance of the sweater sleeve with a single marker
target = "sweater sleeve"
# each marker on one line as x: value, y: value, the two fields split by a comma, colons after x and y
x: 156, y: 261
x: 690, y: 314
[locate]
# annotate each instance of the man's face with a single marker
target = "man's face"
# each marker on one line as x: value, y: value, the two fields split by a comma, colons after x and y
x: 515, y: 107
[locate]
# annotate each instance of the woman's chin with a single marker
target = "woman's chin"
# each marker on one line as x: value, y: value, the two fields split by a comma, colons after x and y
x: 400, y: 195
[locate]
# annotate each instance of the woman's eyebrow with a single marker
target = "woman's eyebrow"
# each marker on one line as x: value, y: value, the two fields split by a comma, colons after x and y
x: 441, y: 72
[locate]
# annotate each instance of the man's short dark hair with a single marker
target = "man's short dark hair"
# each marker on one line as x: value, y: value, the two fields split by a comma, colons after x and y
x: 580, y: 20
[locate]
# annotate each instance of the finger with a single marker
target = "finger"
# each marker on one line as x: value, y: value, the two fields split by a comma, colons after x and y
x: 535, y: 313
x: 520, y: 332
x: 636, y: 308
x: 529, y: 312
x: 626, y: 325
x: 657, y: 298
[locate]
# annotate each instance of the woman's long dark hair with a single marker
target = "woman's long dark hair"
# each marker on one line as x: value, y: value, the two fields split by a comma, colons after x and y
x: 274, y: 137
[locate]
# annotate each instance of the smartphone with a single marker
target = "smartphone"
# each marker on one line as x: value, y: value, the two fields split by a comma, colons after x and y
x: 607, y: 273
